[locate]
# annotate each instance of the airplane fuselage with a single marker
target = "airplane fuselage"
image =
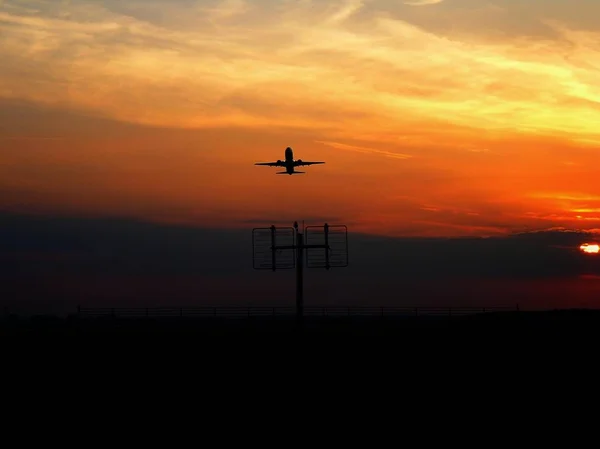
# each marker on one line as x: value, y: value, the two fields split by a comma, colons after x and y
x: 289, y: 160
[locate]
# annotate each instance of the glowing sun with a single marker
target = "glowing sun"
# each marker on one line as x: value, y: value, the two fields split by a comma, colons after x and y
x: 590, y: 248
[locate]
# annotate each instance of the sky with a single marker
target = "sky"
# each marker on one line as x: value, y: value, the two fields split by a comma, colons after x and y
x: 460, y: 117
x: 439, y: 119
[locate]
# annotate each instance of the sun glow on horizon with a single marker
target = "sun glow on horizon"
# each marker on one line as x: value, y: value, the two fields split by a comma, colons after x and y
x: 590, y: 248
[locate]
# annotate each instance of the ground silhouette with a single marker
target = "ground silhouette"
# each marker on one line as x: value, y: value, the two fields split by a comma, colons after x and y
x: 557, y: 322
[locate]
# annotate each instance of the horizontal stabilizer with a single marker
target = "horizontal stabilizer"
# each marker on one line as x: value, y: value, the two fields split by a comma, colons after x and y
x: 286, y: 173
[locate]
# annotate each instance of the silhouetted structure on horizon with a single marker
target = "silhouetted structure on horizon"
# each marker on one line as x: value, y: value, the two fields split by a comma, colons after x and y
x: 331, y: 252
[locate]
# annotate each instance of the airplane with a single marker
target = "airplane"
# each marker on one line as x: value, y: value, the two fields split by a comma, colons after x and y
x: 289, y: 163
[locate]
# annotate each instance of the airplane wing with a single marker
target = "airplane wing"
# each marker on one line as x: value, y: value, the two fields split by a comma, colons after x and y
x: 271, y: 164
x: 300, y: 163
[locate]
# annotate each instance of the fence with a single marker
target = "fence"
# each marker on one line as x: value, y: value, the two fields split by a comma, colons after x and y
x: 263, y: 311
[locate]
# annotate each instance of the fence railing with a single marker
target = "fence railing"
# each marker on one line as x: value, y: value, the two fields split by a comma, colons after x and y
x: 265, y: 311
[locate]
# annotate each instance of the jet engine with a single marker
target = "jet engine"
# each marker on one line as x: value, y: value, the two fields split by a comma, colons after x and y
x: 299, y: 161
x: 279, y: 161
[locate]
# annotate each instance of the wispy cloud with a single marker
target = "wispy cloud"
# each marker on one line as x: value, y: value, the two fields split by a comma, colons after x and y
x: 422, y: 2
x: 344, y: 11
x: 225, y: 9
x: 361, y: 149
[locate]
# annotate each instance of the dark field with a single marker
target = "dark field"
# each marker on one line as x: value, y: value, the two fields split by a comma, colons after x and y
x: 506, y: 323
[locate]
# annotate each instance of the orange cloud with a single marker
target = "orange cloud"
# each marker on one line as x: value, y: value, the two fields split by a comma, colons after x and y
x: 271, y: 70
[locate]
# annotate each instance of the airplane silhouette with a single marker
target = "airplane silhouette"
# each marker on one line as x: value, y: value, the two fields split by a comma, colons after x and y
x: 289, y: 163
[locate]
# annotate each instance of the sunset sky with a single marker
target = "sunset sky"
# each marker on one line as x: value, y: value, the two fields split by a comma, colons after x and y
x: 435, y: 118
